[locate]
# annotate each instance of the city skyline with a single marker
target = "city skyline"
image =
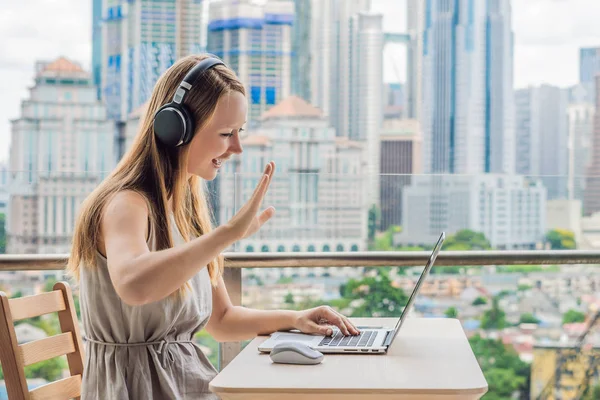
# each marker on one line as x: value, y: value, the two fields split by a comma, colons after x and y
x: 539, y: 38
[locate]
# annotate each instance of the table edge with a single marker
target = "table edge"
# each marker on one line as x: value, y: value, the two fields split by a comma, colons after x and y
x: 468, y: 391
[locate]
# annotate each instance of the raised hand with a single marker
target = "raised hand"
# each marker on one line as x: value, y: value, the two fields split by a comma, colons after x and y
x: 247, y: 220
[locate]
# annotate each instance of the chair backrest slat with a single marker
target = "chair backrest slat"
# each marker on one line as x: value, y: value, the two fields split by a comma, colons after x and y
x: 34, y: 306
x: 47, y: 348
x: 15, y: 357
x: 12, y: 366
x: 67, y: 388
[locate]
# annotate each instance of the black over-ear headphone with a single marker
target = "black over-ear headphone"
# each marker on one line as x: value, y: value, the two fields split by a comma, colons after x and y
x: 173, y: 122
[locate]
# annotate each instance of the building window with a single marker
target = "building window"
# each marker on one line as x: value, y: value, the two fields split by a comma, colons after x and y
x: 326, y: 248
x: 340, y: 247
x: 264, y: 249
x: 311, y: 248
x: 296, y: 248
x: 280, y: 248
x: 249, y: 249
x: 354, y: 248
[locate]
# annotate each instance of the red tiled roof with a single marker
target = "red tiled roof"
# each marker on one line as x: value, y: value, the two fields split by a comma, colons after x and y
x: 293, y: 106
x: 61, y: 64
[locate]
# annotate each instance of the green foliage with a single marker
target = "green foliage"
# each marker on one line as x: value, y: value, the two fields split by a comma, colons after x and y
x: 451, y: 312
x: 573, y: 316
x: 528, y: 318
x: 380, y: 298
x: 504, y: 371
x: 494, y: 318
x: 523, y: 287
x: 385, y: 241
x: 466, y: 239
x: 203, y: 338
x: 289, y: 299
x: 373, y: 222
x: 285, y: 280
x: 49, y: 370
x: 523, y: 269
x: 561, y: 239
x: 479, y: 301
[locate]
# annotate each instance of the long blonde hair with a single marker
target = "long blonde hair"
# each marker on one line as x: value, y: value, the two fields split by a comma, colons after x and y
x: 159, y: 173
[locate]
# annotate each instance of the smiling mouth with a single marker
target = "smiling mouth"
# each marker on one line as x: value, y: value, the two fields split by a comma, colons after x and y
x: 217, y: 162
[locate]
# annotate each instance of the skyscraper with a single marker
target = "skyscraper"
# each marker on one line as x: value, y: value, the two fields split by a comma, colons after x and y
x: 542, y: 136
x: 414, y: 22
x: 589, y: 66
x: 140, y: 40
x: 467, y: 117
x: 255, y: 41
x: 61, y: 148
x: 97, y: 45
x: 302, y: 57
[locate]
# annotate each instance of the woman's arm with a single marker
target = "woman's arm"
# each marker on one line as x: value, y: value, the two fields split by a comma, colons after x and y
x: 142, y: 276
x: 230, y: 323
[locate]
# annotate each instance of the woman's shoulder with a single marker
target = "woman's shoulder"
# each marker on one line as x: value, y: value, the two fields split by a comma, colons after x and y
x: 126, y: 200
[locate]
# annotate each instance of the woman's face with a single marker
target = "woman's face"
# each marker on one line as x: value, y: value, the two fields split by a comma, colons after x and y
x: 219, y: 138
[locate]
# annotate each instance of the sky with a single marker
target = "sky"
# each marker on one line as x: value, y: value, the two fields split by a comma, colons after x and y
x: 548, y: 35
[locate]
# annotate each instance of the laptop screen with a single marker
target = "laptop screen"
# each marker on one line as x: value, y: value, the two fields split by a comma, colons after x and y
x: 415, y: 291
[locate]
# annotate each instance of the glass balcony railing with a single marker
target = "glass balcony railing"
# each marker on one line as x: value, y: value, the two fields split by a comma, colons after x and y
x: 518, y: 268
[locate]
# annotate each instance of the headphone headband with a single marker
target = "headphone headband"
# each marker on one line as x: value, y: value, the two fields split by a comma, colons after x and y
x: 192, y: 75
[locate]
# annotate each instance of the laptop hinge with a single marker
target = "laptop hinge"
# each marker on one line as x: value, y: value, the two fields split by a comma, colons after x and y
x: 388, y: 338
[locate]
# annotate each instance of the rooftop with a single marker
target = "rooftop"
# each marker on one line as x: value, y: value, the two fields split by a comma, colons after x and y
x: 293, y: 106
x: 60, y: 67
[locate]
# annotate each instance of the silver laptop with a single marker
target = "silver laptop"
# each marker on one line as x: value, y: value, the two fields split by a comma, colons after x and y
x: 369, y: 341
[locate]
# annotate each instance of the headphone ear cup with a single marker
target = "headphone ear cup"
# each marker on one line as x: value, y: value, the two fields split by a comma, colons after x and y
x: 170, y: 125
x: 190, y: 125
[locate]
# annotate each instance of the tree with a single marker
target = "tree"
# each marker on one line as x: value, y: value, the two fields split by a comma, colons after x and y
x: 379, y: 297
x: 451, y: 312
x: 49, y: 370
x: 467, y: 239
x: 561, y: 239
x: 289, y: 299
x: 504, y: 371
x: 385, y: 241
x: 203, y: 338
x: 573, y: 316
x: 479, y: 301
x: 494, y: 318
x: 528, y: 318
x: 2, y: 233
x: 373, y: 222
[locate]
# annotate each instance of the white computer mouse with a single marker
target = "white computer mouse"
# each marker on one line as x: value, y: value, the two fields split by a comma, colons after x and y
x: 295, y: 353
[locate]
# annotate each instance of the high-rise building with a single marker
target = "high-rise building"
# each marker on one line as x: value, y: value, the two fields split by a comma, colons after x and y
x: 302, y: 56
x: 97, y: 45
x: 467, y: 82
x: 394, y: 101
x: 591, y: 203
x: 542, y: 133
x: 318, y: 192
x: 509, y: 210
x: 255, y: 41
x: 400, y: 158
x: 581, y: 126
x: 589, y: 66
x: 415, y: 19
x: 323, y: 59
x: 61, y: 148
x: 140, y: 40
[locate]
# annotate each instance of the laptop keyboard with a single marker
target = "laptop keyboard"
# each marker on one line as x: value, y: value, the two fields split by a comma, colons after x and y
x: 364, y: 339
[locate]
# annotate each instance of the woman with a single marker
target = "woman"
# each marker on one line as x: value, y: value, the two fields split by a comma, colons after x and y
x: 146, y: 257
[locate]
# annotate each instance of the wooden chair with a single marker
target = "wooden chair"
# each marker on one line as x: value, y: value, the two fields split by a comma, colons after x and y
x: 15, y: 357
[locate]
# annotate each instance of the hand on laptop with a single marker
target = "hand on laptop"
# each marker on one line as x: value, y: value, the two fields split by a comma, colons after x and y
x: 318, y: 320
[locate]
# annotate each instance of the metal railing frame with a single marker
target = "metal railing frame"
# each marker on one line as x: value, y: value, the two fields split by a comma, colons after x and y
x: 235, y: 262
